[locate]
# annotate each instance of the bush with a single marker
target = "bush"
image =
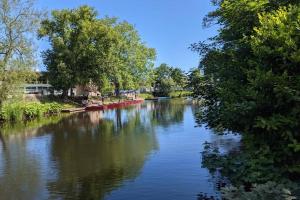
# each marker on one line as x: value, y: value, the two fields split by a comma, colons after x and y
x: 251, y: 85
x: 251, y: 173
x: 28, y: 110
x: 269, y: 190
x: 178, y: 94
x: 11, y: 112
x: 146, y: 95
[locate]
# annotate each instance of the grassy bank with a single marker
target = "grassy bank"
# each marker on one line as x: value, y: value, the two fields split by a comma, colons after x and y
x: 173, y: 94
x: 20, y: 111
x: 146, y: 95
x: 179, y: 94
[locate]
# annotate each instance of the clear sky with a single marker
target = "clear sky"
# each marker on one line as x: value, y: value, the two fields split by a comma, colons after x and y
x: 169, y: 26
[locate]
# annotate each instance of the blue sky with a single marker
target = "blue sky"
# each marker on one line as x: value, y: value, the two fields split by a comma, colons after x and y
x: 169, y: 26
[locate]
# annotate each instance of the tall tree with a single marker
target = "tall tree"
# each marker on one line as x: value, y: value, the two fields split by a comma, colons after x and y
x: 179, y: 77
x: 164, y: 84
x: 85, y: 48
x: 251, y: 68
x: 76, y: 51
x: 18, y: 23
x: 196, y: 82
x: 130, y: 61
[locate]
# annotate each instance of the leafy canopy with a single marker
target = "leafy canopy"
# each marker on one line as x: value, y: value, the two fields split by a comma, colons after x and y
x: 18, y: 22
x: 85, y: 49
x: 168, y: 79
x: 252, y: 80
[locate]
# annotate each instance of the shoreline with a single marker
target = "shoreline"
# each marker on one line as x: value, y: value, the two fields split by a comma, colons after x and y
x: 95, y: 107
x: 113, y: 105
x: 21, y: 114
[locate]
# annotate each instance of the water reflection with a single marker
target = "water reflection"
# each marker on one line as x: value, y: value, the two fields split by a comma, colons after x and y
x: 2, y: 141
x: 93, y: 158
x: 20, y: 176
x: 82, y: 156
x: 166, y: 113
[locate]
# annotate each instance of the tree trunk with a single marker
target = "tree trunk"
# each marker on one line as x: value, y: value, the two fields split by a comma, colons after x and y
x: 64, y: 94
x: 72, y: 92
x: 117, y: 89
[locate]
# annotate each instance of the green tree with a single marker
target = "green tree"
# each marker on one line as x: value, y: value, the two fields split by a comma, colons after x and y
x: 179, y: 77
x: 164, y: 84
x: 79, y: 44
x: 18, y: 22
x: 131, y: 61
x: 196, y: 82
x: 86, y: 48
x: 252, y: 83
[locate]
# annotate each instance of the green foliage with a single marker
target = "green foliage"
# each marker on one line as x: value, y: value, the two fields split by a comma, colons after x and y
x: 179, y: 78
x: 252, y: 86
x: 18, y: 22
x: 178, y: 94
x: 269, y: 190
x: 164, y: 83
x: 28, y: 110
x: 146, y: 96
x: 244, y: 167
x: 252, y: 170
x: 86, y: 49
x: 196, y: 82
x: 168, y: 79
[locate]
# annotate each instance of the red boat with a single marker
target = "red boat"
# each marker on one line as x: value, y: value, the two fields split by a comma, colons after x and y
x: 113, y: 105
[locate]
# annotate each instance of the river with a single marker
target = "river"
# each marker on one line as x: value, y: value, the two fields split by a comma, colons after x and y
x: 147, y: 151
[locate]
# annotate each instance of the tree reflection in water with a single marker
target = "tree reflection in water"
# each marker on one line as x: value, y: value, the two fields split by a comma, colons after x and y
x: 19, y: 171
x: 88, y: 154
x: 94, y: 158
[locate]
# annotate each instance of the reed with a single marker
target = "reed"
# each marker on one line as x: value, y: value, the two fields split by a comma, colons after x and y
x: 18, y: 111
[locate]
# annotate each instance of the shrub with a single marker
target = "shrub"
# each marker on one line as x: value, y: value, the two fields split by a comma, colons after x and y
x: 146, y: 95
x: 18, y: 111
x: 178, y: 94
x: 269, y: 190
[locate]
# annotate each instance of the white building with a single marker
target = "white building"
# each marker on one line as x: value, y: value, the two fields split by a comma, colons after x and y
x: 37, y: 88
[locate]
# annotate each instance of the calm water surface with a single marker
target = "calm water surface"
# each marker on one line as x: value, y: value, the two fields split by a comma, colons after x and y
x: 148, y: 151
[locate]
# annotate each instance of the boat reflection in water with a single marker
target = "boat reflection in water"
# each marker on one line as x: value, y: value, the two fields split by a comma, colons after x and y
x: 146, y: 151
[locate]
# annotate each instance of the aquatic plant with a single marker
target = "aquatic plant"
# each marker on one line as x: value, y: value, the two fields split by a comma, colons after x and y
x: 18, y: 111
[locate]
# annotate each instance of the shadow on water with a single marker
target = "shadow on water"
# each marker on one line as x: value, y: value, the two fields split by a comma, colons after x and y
x: 3, y: 143
x: 82, y: 156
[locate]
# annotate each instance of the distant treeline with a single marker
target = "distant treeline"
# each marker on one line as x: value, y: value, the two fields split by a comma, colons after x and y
x: 173, y: 81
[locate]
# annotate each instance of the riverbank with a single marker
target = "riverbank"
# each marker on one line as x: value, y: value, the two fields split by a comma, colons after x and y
x: 99, y: 106
x: 15, y: 111
x: 26, y: 111
x: 113, y: 105
x: 173, y: 95
x: 180, y: 94
x: 91, y: 146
